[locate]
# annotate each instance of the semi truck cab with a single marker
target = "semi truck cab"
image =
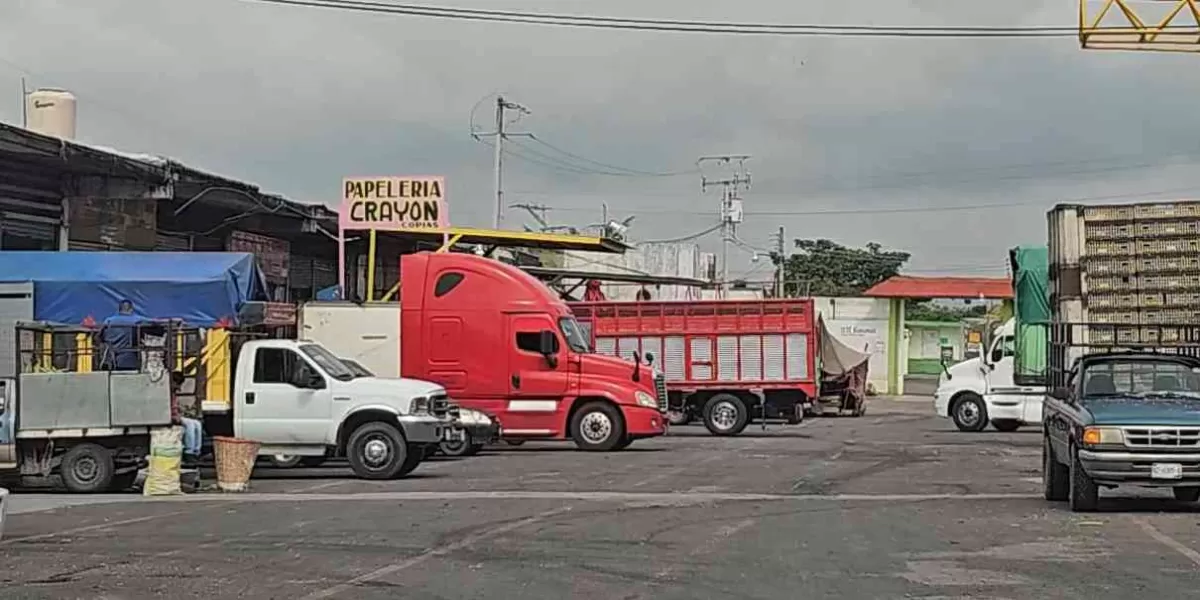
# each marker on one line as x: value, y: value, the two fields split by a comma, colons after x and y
x: 500, y: 342
x: 981, y: 390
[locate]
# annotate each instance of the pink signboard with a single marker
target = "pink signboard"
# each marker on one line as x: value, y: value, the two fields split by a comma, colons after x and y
x: 393, y: 203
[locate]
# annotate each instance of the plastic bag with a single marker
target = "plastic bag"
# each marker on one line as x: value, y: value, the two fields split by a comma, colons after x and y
x: 166, y: 461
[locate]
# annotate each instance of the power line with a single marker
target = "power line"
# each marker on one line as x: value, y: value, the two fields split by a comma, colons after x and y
x: 635, y: 172
x: 907, y: 209
x: 685, y: 26
x: 582, y: 169
x: 684, y: 238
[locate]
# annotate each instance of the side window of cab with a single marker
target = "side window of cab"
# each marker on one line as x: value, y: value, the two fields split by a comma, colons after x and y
x: 446, y: 282
x: 531, y: 341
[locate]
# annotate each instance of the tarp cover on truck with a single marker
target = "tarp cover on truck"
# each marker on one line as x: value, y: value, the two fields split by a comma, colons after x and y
x: 843, y: 370
x: 201, y: 288
x: 1031, y: 308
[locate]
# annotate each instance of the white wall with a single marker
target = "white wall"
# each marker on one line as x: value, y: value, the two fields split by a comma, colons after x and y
x: 862, y: 324
x: 677, y: 260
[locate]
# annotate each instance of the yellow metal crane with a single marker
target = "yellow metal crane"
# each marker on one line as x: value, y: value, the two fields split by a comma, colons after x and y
x: 1155, y: 25
x: 1147, y: 25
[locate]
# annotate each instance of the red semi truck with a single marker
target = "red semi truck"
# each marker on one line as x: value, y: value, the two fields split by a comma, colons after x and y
x: 725, y: 361
x: 500, y: 342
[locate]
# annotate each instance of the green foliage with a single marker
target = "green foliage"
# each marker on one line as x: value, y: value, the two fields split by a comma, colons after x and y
x: 923, y: 310
x: 825, y: 268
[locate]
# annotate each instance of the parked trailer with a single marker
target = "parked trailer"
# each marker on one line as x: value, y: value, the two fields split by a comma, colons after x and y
x: 725, y: 362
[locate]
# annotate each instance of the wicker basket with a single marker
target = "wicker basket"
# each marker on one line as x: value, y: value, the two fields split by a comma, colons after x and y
x: 235, y: 462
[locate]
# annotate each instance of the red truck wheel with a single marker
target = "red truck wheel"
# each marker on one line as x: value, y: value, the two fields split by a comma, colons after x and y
x: 598, y: 427
x: 725, y: 414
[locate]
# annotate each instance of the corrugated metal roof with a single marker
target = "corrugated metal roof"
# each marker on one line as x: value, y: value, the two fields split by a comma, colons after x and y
x: 904, y: 286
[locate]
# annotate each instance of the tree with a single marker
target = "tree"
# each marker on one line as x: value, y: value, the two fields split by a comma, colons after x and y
x: 823, y: 267
x: 921, y: 309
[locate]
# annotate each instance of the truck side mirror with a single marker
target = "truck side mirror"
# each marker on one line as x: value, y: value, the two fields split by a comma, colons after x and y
x: 650, y: 358
x: 997, y: 354
x: 546, y: 343
x: 315, y: 382
x: 548, y: 347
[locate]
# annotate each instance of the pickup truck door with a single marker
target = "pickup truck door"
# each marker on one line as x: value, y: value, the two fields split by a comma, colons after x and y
x: 1058, y: 419
x: 278, y: 406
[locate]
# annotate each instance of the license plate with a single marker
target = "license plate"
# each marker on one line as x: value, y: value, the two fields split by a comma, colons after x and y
x: 1166, y: 471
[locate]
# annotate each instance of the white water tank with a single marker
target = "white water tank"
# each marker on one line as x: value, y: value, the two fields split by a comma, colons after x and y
x: 51, y: 112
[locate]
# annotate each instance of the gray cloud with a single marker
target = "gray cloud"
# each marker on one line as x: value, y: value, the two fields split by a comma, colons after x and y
x: 296, y: 99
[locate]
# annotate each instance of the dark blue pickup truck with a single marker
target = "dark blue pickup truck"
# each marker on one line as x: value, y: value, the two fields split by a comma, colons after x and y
x: 1124, y: 418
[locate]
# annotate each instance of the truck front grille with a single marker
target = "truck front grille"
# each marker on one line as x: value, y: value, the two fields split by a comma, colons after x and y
x: 660, y: 388
x: 1162, y: 437
x: 439, y: 405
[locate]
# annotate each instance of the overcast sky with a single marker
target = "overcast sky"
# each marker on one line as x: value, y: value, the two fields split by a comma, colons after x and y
x: 294, y: 99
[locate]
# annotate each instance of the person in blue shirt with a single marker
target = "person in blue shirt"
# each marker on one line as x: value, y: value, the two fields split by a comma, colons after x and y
x: 119, y: 337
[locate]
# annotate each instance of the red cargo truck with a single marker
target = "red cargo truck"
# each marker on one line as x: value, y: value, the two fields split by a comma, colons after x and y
x: 500, y: 342
x: 725, y: 361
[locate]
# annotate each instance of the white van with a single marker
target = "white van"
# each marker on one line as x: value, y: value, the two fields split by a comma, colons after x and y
x: 980, y: 390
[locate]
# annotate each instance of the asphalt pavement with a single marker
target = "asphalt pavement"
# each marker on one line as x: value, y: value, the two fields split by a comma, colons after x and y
x: 892, y: 505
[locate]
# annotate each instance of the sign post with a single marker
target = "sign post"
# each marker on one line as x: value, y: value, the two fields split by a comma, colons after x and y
x: 387, y: 204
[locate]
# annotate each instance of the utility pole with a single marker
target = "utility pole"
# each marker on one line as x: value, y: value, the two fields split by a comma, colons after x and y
x: 502, y: 107
x: 731, y: 202
x: 779, y: 272
x: 538, y: 212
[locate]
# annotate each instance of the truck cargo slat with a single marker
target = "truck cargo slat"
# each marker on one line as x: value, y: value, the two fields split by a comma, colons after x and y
x: 1123, y: 276
x: 759, y: 343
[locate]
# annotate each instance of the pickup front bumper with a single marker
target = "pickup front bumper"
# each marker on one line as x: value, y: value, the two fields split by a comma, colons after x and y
x: 424, y: 429
x: 1137, y: 467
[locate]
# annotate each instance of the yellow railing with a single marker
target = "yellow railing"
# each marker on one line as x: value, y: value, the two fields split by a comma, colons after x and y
x: 213, y: 361
x: 1154, y: 26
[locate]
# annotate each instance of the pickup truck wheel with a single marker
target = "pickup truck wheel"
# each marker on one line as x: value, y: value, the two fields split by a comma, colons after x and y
x: 969, y: 413
x: 457, y: 448
x: 1056, y: 478
x: 597, y: 427
x: 1084, y: 495
x: 413, y: 458
x: 377, y: 450
x: 87, y: 469
x: 725, y: 414
x: 1006, y: 425
x: 1186, y: 494
x: 284, y: 461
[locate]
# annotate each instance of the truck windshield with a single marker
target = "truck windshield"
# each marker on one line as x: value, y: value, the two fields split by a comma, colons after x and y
x: 329, y: 363
x: 573, y: 333
x: 356, y: 368
x: 1141, y: 379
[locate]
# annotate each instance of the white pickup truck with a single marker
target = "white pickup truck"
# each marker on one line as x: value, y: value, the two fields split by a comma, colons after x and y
x: 297, y: 398
x: 980, y: 390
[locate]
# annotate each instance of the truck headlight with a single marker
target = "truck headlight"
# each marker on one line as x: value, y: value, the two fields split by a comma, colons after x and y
x: 644, y: 399
x: 419, y: 405
x: 1102, y: 436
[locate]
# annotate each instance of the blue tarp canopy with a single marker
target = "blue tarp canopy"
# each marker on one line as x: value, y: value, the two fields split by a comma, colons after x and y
x: 201, y: 288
